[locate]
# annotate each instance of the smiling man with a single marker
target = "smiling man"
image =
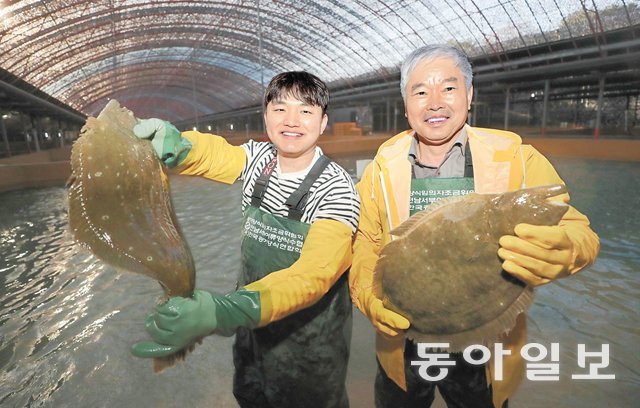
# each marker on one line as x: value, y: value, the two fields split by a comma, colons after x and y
x: 292, y: 311
x: 441, y: 154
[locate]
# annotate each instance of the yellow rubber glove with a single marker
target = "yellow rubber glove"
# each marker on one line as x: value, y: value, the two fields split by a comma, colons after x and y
x: 384, y: 320
x: 537, y: 255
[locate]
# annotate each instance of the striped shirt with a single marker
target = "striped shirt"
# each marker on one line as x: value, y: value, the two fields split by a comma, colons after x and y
x: 331, y: 197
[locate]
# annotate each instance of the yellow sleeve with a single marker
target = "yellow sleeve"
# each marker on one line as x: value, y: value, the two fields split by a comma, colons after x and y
x: 586, y: 243
x: 325, y: 256
x: 367, y: 244
x: 212, y: 157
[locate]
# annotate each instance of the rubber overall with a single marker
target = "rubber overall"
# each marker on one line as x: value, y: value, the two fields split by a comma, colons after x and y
x: 301, y: 360
x: 465, y: 385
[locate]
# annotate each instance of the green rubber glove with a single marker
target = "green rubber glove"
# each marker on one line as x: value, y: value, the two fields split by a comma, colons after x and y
x: 180, y: 321
x: 167, y: 142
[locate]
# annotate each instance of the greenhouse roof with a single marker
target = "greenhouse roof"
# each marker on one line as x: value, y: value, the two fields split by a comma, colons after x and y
x: 182, y: 59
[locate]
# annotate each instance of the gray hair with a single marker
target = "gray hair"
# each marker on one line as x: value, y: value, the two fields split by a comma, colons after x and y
x: 431, y: 52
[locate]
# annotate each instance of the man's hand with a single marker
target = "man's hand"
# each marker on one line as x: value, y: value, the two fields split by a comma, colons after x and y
x: 176, y: 324
x: 384, y: 320
x: 537, y: 254
x: 167, y: 142
x: 181, y: 321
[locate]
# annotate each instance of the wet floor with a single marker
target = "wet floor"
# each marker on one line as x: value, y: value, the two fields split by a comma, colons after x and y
x: 67, y: 321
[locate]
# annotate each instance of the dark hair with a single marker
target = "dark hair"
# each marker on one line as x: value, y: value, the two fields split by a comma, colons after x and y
x: 301, y: 85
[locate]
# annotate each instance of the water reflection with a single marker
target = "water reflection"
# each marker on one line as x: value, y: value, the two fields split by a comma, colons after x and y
x: 66, y: 320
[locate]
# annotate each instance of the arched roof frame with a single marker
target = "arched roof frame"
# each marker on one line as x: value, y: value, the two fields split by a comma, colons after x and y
x: 82, y: 52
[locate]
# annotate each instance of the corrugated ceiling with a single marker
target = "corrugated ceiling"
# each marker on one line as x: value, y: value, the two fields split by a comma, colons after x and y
x: 180, y: 59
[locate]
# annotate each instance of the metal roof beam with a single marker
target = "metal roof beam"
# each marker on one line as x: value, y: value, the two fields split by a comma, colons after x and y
x: 556, y: 55
x: 19, y: 93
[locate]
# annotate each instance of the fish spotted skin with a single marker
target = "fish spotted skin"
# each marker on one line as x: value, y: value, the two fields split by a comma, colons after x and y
x: 442, y: 271
x: 120, y: 207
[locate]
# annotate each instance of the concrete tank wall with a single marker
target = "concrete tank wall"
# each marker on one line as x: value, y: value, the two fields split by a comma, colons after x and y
x: 51, y: 167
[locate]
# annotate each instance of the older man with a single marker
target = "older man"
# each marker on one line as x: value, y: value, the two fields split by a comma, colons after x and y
x: 437, y: 90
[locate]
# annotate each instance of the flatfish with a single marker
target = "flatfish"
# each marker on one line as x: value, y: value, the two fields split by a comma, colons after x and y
x: 120, y: 207
x: 443, y: 272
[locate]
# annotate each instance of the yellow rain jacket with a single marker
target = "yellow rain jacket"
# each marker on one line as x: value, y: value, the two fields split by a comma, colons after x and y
x: 325, y: 255
x: 500, y: 163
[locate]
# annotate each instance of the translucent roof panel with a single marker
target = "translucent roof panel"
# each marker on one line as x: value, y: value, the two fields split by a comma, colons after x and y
x: 182, y: 59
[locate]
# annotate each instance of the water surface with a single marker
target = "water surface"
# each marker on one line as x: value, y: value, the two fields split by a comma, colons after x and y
x: 67, y: 321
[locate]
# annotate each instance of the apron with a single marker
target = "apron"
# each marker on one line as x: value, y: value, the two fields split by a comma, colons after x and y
x: 300, y: 360
x: 426, y: 191
x: 465, y: 385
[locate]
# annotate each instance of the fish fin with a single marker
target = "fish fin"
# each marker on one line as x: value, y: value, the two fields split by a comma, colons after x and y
x: 162, y: 363
x: 487, y: 334
x: 548, y: 191
x: 378, y: 270
x: 70, y: 181
x: 407, y: 226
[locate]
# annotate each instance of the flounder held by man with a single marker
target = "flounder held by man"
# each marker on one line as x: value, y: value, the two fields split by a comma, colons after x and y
x: 442, y: 271
x: 120, y: 207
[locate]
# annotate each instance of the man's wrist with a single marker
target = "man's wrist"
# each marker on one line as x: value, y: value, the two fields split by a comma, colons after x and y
x: 237, y: 309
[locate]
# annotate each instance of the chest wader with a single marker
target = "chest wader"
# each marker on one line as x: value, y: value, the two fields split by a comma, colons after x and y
x: 465, y: 385
x: 300, y: 360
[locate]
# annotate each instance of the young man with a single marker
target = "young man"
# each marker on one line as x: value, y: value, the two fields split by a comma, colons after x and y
x: 292, y: 311
x: 437, y: 91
